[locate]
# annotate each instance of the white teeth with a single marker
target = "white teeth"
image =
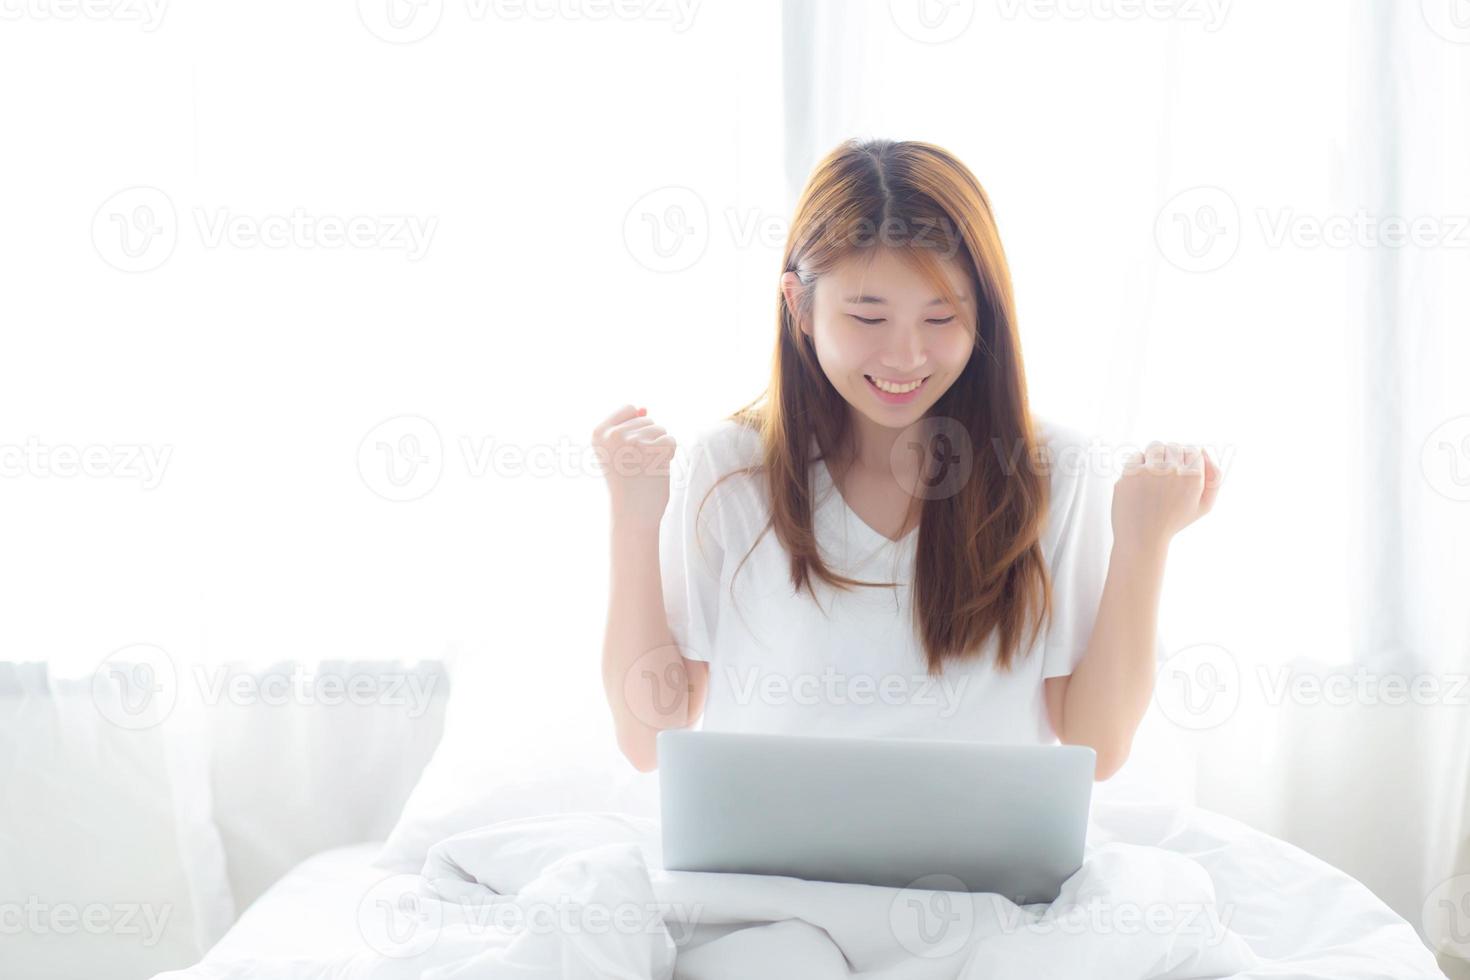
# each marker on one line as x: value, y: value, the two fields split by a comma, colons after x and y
x: 895, y: 389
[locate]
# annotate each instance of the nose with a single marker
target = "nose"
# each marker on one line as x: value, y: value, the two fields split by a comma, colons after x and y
x: 904, y: 351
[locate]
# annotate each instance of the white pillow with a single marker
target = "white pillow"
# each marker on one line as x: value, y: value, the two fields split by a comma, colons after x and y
x: 521, y: 738
x: 297, y: 776
x: 107, y: 823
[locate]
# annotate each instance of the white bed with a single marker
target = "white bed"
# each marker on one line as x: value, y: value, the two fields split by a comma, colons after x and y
x: 1289, y: 914
x: 310, y: 913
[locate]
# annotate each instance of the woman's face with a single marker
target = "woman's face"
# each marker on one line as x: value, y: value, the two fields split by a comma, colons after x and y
x: 888, y: 344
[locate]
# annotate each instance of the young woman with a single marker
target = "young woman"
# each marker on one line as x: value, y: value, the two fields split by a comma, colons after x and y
x: 887, y: 542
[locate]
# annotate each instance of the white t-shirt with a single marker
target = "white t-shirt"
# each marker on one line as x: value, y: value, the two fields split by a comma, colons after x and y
x: 855, y: 666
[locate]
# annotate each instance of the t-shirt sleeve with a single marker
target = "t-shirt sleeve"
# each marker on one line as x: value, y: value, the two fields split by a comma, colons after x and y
x: 691, y: 554
x: 1079, y: 565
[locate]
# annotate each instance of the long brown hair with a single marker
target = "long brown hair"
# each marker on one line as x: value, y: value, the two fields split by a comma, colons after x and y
x: 979, y: 568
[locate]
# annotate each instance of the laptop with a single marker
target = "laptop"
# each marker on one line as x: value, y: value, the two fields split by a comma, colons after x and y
x: 937, y: 815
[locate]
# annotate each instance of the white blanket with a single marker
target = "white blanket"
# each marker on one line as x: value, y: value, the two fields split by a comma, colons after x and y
x: 1162, y: 893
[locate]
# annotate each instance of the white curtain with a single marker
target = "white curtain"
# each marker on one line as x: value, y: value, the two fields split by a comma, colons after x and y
x: 303, y: 449
x: 1198, y: 202
x: 364, y: 451
x: 1411, y: 583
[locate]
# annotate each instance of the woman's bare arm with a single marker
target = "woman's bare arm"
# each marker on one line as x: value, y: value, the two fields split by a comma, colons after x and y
x: 1103, y: 701
x: 649, y: 685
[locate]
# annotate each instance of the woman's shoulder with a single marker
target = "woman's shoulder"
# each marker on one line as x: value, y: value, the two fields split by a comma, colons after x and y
x: 1074, y: 458
x: 1063, y: 442
x: 728, y: 445
x: 720, y: 460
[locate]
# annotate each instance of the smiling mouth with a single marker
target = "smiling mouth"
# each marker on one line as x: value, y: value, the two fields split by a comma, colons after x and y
x: 895, y: 387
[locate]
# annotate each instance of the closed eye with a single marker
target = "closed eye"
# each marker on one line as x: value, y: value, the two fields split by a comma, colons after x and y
x: 870, y: 321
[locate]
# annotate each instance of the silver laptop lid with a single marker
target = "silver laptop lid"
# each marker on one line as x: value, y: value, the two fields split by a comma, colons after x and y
x: 1010, y: 819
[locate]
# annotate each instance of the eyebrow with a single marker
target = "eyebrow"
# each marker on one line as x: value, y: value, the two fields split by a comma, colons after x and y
x: 938, y: 300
